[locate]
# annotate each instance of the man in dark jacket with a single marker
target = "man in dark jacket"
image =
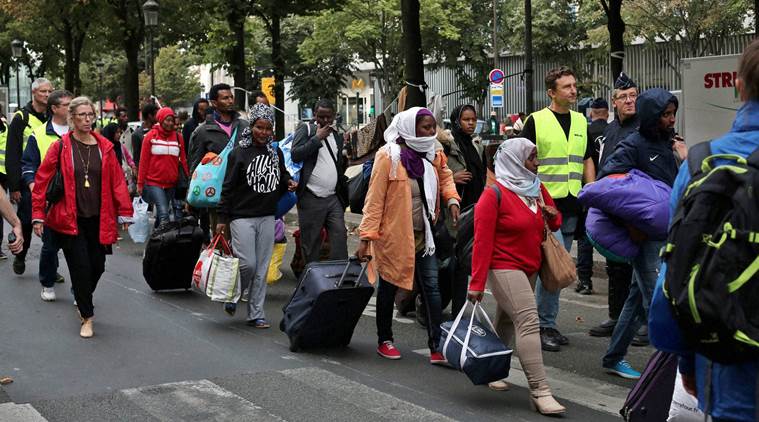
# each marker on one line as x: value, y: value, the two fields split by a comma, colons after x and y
x: 649, y: 150
x: 214, y: 134
x: 322, y: 190
x: 619, y: 273
x: 599, y: 116
x: 198, y: 116
x: 24, y: 121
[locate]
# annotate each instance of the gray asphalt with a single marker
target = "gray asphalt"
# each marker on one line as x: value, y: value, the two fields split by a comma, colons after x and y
x: 145, y: 339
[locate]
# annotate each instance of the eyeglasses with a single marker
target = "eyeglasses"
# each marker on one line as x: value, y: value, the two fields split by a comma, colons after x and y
x: 626, y: 97
x: 85, y: 115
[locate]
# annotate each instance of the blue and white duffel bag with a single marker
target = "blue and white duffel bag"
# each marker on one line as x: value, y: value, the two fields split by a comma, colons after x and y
x: 475, y: 348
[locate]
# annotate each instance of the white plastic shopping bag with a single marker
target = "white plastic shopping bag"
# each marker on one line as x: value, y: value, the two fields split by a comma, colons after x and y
x: 203, y: 266
x: 223, y: 275
x: 139, y: 230
x: 684, y: 407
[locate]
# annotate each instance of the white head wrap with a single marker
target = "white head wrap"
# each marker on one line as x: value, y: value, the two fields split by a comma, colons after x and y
x: 510, y: 170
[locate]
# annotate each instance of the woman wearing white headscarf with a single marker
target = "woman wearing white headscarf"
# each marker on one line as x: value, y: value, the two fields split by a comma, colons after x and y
x: 403, y: 201
x: 508, y: 233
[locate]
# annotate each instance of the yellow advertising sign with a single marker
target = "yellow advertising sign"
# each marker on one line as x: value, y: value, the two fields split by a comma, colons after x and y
x: 267, y: 86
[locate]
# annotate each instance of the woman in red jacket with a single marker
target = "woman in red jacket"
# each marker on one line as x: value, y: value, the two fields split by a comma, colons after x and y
x: 161, y: 159
x: 508, y: 233
x: 95, y: 200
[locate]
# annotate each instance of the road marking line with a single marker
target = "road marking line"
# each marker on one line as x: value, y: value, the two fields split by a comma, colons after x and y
x: 572, y: 301
x: 195, y: 400
x: 385, y: 405
x: 371, y: 311
x: 585, y: 391
x: 20, y: 412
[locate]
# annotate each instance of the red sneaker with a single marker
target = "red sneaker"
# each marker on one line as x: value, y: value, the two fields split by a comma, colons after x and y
x: 388, y: 351
x: 437, y: 358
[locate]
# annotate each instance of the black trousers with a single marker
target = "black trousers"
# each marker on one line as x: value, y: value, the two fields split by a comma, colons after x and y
x: 620, y: 277
x: 24, y: 213
x: 85, y: 257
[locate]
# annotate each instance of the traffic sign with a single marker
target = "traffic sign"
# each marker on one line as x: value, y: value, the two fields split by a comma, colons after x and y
x: 496, y: 95
x: 496, y: 76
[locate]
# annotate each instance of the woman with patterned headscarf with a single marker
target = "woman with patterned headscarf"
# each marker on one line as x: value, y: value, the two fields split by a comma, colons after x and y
x: 255, y: 180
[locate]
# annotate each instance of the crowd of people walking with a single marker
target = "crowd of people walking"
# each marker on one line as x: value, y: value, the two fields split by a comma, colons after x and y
x: 73, y: 184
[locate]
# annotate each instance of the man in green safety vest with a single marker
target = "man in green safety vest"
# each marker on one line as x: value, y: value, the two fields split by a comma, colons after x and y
x: 566, y: 161
x: 36, y: 149
x: 23, y: 123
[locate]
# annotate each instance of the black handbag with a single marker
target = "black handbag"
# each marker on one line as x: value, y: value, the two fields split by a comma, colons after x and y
x: 55, y: 189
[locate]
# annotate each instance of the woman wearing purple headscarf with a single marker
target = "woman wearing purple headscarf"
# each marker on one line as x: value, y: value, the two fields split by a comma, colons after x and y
x: 403, y: 201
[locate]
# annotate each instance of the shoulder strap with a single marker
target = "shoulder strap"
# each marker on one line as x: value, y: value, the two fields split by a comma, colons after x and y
x: 753, y: 160
x: 331, y: 154
x: 696, y: 156
x: 420, y: 182
x: 497, y: 194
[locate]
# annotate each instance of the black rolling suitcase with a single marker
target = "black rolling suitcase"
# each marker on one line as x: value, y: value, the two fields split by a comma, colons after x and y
x: 327, y: 304
x: 171, y: 254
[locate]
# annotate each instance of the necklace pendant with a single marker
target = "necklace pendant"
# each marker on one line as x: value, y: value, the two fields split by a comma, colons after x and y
x: 86, y: 181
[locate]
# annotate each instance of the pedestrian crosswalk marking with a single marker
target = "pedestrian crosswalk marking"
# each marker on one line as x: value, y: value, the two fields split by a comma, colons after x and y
x: 382, y: 404
x: 196, y: 400
x: 371, y: 311
x: 19, y: 413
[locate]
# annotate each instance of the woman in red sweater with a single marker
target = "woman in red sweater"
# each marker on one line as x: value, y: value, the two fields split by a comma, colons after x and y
x: 161, y: 157
x: 507, y: 253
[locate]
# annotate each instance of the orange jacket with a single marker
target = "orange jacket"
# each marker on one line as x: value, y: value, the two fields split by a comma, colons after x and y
x: 387, y: 218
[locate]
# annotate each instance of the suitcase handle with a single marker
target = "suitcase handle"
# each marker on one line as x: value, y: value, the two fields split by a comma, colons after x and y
x: 352, y: 259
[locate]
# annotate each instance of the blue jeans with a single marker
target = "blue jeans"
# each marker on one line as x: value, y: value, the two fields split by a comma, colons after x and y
x: 548, y: 302
x: 425, y: 273
x: 161, y: 198
x: 635, y: 312
x: 48, y: 259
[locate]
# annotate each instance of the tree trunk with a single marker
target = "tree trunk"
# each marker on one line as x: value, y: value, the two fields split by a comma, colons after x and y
x: 412, y: 41
x: 278, y: 62
x: 528, y: 85
x: 132, y: 79
x: 236, y: 20
x: 616, y: 27
x: 68, y: 49
x: 77, y: 53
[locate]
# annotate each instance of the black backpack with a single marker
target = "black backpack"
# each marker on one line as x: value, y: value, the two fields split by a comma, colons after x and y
x: 712, y: 255
x: 465, y: 234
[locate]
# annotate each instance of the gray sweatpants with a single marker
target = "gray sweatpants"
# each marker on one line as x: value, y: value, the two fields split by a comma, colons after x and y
x: 252, y: 243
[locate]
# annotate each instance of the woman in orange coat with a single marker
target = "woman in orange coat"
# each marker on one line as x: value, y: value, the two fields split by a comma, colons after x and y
x: 408, y: 179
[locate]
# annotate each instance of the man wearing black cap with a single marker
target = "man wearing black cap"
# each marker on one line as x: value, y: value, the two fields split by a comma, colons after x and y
x: 620, y: 274
x: 599, y: 116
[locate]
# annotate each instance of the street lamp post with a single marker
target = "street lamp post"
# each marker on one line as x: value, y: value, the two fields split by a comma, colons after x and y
x: 100, y: 65
x: 17, y: 49
x: 150, y: 10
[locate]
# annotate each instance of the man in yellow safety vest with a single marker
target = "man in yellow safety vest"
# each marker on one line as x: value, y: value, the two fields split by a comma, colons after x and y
x: 565, y: 158
x: 24, y: 122
x: 37, y: 145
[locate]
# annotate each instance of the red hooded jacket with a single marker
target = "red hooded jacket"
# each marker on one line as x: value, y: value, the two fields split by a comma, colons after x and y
x: 162, y: 151
x: 115, y: 201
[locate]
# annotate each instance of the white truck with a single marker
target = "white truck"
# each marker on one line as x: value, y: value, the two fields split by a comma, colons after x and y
x: 709, y: 97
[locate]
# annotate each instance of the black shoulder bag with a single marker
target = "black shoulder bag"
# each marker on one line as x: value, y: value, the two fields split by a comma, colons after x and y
x: 55, y: 189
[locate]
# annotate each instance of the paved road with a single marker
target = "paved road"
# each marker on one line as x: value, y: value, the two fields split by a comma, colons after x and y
x: 177, y: 357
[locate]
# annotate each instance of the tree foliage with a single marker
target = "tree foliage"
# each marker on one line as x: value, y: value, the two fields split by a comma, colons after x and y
x: 177, y: 84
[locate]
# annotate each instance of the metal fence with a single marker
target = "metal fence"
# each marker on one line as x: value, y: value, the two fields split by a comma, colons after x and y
x: 649, y: 65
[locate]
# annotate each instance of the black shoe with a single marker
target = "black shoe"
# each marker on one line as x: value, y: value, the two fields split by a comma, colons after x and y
x: 558, y: 336
x: 548, y: 342
x: 59, y: 278
x: 230, y: 308
x: 604, y: 329
x: 640, y: 341
x: 584, y: 287
x: 19, y: 266
x: 641, y: 337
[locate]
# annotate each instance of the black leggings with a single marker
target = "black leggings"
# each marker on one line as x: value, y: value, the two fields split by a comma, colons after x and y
x: 85, y: 257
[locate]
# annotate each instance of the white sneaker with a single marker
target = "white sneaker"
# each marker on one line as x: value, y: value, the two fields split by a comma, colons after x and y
x: 48, y: 294
x: 245, y: 294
